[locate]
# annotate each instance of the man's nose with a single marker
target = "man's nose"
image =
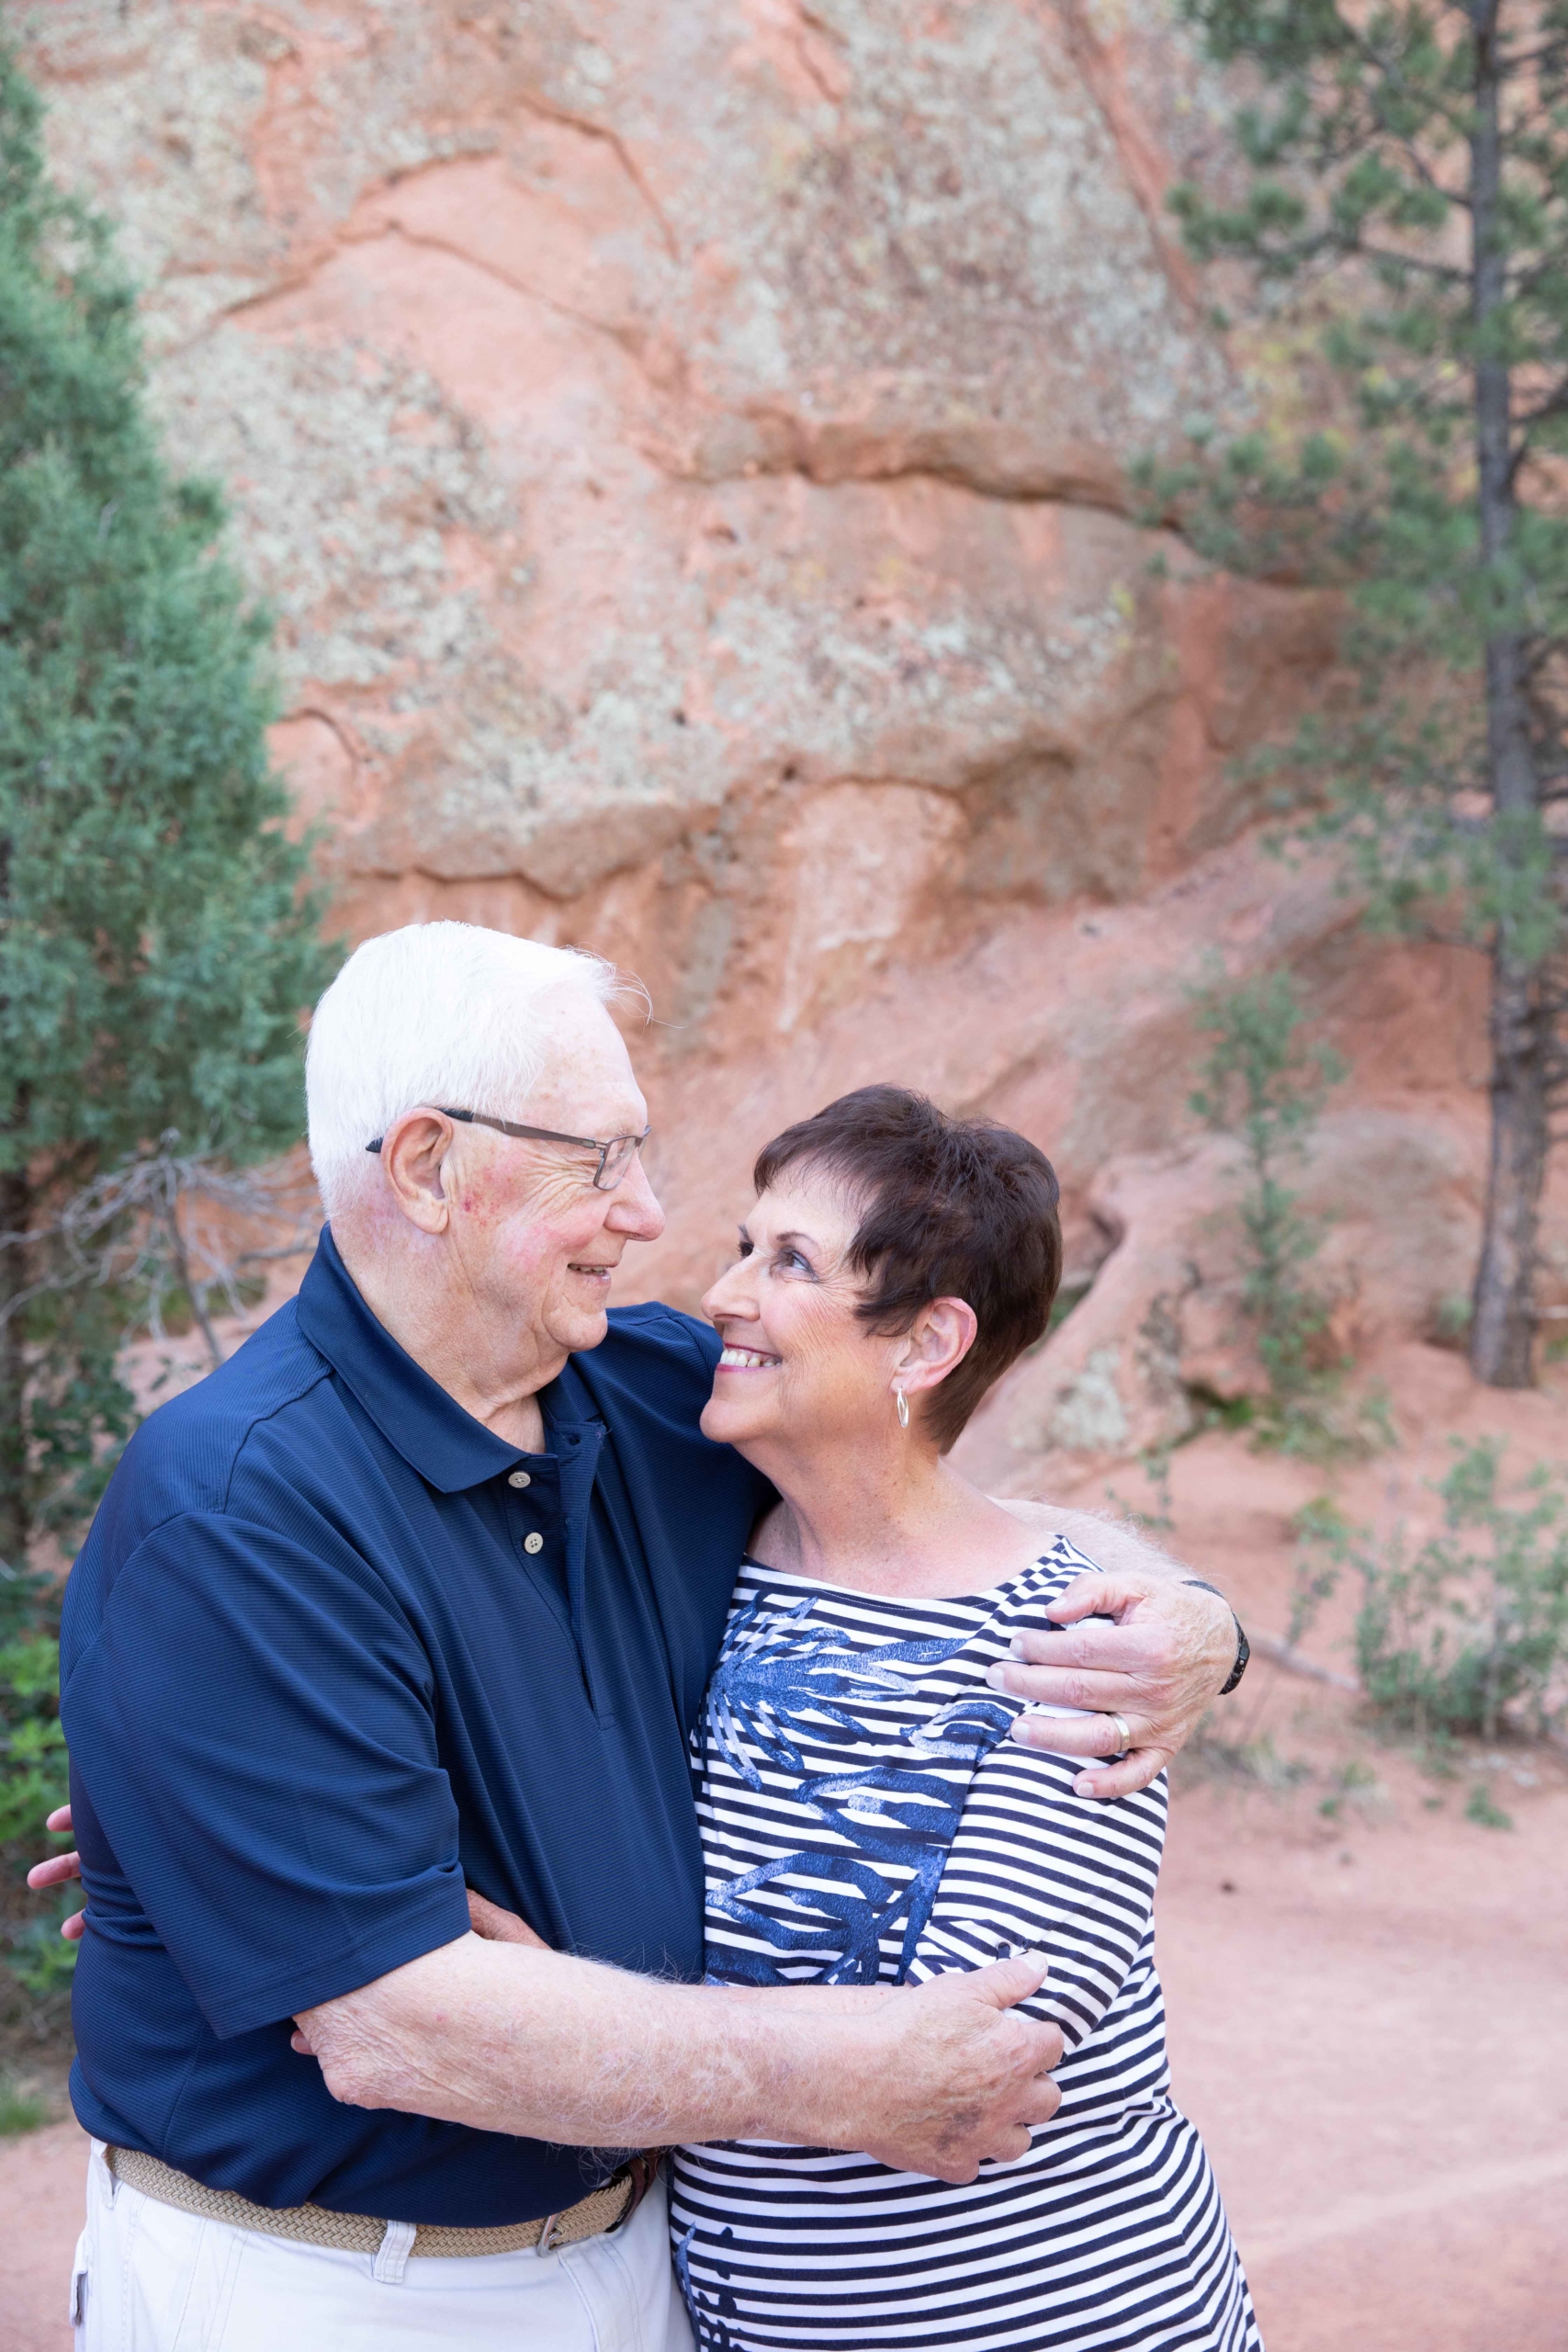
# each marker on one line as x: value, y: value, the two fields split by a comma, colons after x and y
x: 635, y: 1208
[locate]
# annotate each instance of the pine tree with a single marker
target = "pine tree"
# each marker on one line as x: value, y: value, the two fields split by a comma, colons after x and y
x: 1407, y: 201
x: 158, y: 937
x: 1263, y: 1083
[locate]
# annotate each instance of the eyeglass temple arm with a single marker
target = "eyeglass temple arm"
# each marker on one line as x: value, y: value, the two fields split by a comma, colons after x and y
x: 375, y: 1144
x: 539, y: 1135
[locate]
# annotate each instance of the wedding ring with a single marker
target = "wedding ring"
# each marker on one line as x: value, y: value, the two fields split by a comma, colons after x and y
x: 1125, y: 1730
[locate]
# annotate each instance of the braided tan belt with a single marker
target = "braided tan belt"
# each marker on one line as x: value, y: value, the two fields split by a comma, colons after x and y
x: 604, y: 2211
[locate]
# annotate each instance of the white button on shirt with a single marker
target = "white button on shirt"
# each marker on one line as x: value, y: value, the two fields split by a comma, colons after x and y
x: 535, y: 1543
x: 519, y: 1479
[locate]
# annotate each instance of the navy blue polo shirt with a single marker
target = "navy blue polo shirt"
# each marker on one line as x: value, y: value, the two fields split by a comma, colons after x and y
x: 331, y: 1649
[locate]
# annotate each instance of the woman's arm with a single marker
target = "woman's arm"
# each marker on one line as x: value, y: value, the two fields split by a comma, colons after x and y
x: 1035, y: 1866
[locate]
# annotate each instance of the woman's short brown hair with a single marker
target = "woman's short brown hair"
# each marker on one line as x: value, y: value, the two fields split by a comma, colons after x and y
x: 950, y: 1208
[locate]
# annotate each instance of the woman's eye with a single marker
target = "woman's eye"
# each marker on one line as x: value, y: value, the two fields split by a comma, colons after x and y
x: 791, y: 1262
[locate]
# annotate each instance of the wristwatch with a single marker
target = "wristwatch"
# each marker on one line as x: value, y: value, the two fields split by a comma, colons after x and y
x: 1242, y: 1647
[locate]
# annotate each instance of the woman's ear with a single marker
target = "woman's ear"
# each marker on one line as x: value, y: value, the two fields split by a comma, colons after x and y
x: 940, y: 1338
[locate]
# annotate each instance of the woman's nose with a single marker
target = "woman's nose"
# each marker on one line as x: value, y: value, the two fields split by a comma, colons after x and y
x: 730, y: 1295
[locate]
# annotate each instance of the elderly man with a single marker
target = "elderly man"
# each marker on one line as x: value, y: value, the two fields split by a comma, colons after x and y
x: 418, y: 1595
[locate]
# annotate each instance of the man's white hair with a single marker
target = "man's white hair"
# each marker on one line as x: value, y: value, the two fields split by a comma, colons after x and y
x: 439, y: 1012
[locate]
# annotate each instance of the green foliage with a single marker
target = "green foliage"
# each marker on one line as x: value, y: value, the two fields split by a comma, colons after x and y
x: 1157, y: 1516
x: 1265, y: 1083
x: 1069, y: 1296
x: 33, y: 1780
x: 1355, y: 1784
x: 19, y: 2110
x: 158, y: 937
x: 1482, y: 1806
x: 1403, y: 214
x: 1451, y: 1320
x: 1249, y: 1756
x: 1358, y: 166
x: 32, y: 1746
x: 1467, y: 1634
x: 1313, y: 1582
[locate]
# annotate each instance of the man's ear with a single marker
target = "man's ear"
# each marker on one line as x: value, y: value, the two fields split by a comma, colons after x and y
x: 941, y: 1336
x: 413, y: 1153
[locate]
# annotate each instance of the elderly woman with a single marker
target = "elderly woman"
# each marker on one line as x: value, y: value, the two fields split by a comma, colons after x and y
x: 864, y: 1820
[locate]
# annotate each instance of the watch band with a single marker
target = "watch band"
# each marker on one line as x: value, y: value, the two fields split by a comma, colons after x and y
x: 1242, y: 1647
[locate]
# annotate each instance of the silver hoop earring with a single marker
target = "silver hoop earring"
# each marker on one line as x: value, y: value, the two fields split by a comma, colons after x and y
x: 903, y: 1404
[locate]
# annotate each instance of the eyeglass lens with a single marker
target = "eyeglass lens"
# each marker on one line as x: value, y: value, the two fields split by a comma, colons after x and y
x: 619, y: 1158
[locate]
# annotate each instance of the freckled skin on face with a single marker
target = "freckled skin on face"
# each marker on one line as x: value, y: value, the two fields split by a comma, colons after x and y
x: 808, y: 1365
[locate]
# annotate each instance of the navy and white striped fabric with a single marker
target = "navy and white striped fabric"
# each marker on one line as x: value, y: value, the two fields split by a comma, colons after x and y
x: 866, y: 1821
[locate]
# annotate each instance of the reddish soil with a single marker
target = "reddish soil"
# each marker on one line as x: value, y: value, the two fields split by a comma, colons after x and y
x: 1368, y: 2022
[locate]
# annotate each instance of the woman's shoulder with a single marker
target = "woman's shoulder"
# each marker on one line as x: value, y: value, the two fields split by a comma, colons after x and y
x: 1021, y: 1600
x: 1021, y: 1596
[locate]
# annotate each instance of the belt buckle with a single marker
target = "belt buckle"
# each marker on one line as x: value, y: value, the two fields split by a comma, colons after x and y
x: 547, y: 2234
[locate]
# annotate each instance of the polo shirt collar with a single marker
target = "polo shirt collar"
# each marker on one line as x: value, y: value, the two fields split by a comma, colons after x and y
x: 448, y: 1449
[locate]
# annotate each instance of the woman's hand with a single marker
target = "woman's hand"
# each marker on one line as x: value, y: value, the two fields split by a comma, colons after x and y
x: 59, y: 1870
x: 495, y: 1925
x: 487, y: 1919
x: 488, y: 1922
x: 489, y: 1925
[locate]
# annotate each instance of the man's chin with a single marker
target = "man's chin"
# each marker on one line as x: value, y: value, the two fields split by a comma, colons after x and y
x: 577, y: 1329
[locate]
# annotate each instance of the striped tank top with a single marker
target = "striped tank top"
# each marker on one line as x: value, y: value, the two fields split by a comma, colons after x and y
x: 865, y: 1820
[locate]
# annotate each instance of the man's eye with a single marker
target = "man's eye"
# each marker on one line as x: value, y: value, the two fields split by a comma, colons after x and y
x: 744, y: 1248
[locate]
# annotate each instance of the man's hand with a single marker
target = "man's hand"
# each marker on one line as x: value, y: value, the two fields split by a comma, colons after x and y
x: 961, y: 2022
x: 956, y: 2076
x: 1157, y: 1666
x: 59, y: 1870
x: 510, y: 2037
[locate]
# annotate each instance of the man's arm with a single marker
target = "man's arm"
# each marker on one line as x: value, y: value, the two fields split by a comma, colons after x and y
x: 1159, y: 1666
x: 510, y: 2037
x: 586, y: 2055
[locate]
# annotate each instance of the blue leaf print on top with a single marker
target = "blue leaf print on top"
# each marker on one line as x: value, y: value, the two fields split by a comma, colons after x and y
x: 773, y: 1663
x: 777, y: 1672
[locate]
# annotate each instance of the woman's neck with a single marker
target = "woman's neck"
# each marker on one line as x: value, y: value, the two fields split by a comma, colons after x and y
x: 902, y: 1522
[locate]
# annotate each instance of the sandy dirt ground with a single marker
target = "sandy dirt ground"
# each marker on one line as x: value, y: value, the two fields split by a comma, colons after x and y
x: 1368, y: 2022
x: 1366, y: 1988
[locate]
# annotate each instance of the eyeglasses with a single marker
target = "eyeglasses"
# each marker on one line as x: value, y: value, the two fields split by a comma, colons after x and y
x: 614, y: 1157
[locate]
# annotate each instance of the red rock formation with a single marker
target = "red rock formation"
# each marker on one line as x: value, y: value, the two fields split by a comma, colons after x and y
x: 685, y: 449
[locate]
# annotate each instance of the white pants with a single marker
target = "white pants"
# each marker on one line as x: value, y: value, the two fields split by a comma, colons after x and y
x: 151, y: 2278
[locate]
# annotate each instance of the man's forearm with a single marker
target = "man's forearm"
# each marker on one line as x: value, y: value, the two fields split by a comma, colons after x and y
x: 549, y: 2048
x: 532, y: 2043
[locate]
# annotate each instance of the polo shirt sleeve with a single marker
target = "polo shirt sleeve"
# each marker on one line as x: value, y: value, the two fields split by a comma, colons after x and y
x: 254, y: 1729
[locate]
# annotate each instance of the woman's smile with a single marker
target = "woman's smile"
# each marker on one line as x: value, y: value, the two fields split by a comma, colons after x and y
x: 739, y: 1359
